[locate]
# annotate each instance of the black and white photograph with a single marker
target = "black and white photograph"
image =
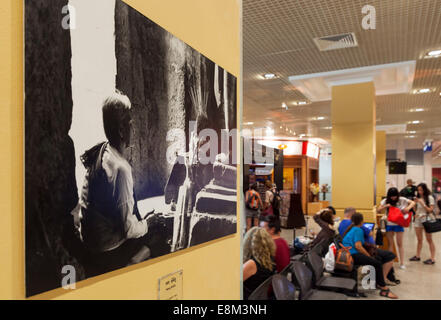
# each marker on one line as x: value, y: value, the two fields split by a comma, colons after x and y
x: 130, y: 142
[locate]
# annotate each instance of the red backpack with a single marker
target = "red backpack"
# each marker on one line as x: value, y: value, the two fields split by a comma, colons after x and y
x: 396, y: 216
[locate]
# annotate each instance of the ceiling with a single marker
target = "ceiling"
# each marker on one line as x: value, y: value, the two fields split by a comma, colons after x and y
x: 278, y: 38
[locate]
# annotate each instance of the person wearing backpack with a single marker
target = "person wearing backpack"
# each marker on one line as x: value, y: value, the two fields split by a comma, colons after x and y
x: 353, y: 239
x: 277, y: 201
x: 272, y: 199
x: 253, y: 205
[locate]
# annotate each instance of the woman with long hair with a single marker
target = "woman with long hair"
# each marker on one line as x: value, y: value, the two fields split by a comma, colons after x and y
x: 393, y: 199
x: 353, y: 238
x: 425, y: 204
x: 258, y: 252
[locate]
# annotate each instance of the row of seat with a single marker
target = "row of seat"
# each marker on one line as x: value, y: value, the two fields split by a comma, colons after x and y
x: 307, y: 276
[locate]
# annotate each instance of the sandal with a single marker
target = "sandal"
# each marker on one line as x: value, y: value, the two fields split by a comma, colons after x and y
x: 414, y: 258
x: 429, y: 261
x: 386, y: 293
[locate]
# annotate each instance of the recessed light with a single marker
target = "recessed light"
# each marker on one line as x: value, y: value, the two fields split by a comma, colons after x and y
x: 424, y: 90
x: 433, y: 54
x: 248, y: 123
x: 269, y: 76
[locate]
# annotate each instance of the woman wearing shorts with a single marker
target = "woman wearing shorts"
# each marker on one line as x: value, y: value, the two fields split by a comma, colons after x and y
x: 393, y: 199
x: 425, y: 204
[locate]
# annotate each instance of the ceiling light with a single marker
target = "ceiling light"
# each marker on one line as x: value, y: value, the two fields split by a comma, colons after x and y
x: 281, y: 127
x: 433, y: 54
x: 411, y: 132
x: 327, y: 128
x: 269, y: 76
x: 410, y: 137
x: 320, y: 118
x: 284, y: 106
x: 269, y: 131
x: 424, y: 90
x: 248, y: 123
x: 418, y: 109
x: 300, y: 103
x: 416, y: 122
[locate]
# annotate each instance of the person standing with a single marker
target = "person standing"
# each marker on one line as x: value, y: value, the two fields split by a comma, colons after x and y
x: 253, y: 205
x: 425, y: 204
x: 269, y: 197
x: 393, y: 230
x: 409, y: 191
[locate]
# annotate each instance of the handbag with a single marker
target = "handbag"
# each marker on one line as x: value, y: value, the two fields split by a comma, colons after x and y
x: 432, y: 226
x: 379, y: 237
x: 344, y: 260
x: 395, y: 215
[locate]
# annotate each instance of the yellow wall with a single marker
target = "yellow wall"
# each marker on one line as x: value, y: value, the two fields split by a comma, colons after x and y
x: 211, y: 271
x: 381, y: 165
x: 353, y: 147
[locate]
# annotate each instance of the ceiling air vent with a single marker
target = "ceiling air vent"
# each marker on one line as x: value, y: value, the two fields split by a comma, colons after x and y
x: 340, y: 41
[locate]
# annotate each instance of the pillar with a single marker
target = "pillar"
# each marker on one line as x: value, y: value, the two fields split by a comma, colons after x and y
x: 353, y: 148
x: 428, y: 169
x: 381, y: 165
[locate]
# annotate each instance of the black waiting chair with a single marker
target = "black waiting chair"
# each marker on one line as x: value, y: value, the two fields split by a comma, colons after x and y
x: 283, y: 288
x: 304, y: 279
x: 321, y: 281
x: 261, y: 292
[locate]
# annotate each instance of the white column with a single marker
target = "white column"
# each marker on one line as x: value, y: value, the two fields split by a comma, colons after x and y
x: 428, y: 169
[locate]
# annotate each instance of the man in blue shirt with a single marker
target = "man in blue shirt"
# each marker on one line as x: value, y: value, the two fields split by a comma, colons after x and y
x: 346, y: 222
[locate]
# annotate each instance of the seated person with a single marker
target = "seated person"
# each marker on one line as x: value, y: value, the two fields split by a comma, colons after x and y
x: 258, y: 252
x: 272, y: 226
x: 325, y: 219
x: 315, y: 228
x: 346, y: 222
x: 353, y: 238
x: 368, y: 238
x: 110, y: 229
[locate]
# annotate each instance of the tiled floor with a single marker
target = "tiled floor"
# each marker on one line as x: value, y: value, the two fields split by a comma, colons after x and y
x: 418, y: 281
